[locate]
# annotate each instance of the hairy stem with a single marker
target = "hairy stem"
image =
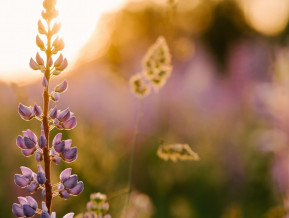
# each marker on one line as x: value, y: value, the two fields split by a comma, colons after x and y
x: 131, y: 162
x: 45, y: 122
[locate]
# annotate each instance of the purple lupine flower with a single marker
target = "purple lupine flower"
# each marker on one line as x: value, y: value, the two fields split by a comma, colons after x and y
x: 69, y: 184
x: 36, y: 110
x: 26, y: 208
x: 64, y: 115
x: 41, y: 179
x: 30, y: 139
x: 53, y: 113
x: 62, y: 87
x: 24, y: 179
x: 34, y: 185
x: 25, y: 112
x: 70, y: 123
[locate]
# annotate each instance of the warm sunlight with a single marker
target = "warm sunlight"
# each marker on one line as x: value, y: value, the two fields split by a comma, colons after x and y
x: 18, y: 20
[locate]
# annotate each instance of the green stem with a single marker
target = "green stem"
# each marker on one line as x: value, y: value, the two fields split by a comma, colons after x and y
x: 131, y: 162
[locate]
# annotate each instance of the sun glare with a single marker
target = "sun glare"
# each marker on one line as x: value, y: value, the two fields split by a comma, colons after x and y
x: 18, y: 28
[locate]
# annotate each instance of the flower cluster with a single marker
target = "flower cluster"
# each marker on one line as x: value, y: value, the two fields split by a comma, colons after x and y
x: 30, y: 144
x: 177, y: 152
x: 96, y: 207
x: 156, y: 69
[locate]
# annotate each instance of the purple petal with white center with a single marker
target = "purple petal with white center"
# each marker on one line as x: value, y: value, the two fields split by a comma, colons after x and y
x: 70, y: 123
x: 28, y: 152
x: 53, y: 113
x: 28, y: 210
x: 36, y: 110
x: 71, y: 182
x: 76, y: 190
x: 69, y: 215
x: 21, y: 180
x: 57, y: 139
x: 65, y: 174
x: 17, y: 210
x: 28, y: 173
x: 32, y: 202
x: 32, y: 187
x: 69, y: 155
x: 64, y: 194
x: 64, y: 115
x: 62, y: 87
x: 20, y: 142
x: 59, y: 147
x: 29, y: 143
x: 68, y: 143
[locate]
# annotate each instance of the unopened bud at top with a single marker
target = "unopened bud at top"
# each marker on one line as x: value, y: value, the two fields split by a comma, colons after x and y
x: 39, y: 59
x: 41, y: 28
x: 40, y: 43
x: 56, y: 28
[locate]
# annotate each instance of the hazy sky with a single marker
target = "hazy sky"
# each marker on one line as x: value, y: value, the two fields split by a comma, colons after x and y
x: 18, y: 29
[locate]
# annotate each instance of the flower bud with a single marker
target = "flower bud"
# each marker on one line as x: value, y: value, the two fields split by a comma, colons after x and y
x: 69, y: 155
x: 58, y: 44
x: 63, y: 65
x: 28, y: 210
x: 39, y: 59
x: 28, y: 152
x: 36, y: 110
x: 34, y: 65
x: 42, y: 141
x: 41, y: 179
x: 38, y: 156
x: 76, y: 190
x: 65, y: 174
x: 40, y: 43
x: 59, y: 147
x: 44, y: 82
x: 25, y: 112
x: 17, y: 210
x: 50, y: 62
x: 56, y: 72
x: 21, y: 180
x: 64, y: 115
x: 32, y: 187
x: 62, y: 87
x: 55, y: 96
x: 53, y: 113
x: 41, y: 28
x: 70, y: 123
x: 58, y: 61
x: 71, y: 182
x: 29, y: 143
x: 56, y: 28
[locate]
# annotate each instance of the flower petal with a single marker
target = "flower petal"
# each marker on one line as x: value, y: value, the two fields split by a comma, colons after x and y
x: 76, y: 190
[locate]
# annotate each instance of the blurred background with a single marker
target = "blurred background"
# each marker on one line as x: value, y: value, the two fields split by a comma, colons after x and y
x: 227, y: 97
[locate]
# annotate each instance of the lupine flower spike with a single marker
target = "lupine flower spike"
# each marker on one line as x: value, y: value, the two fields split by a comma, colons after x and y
x: 96, y: 207
x: 30, y: 143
